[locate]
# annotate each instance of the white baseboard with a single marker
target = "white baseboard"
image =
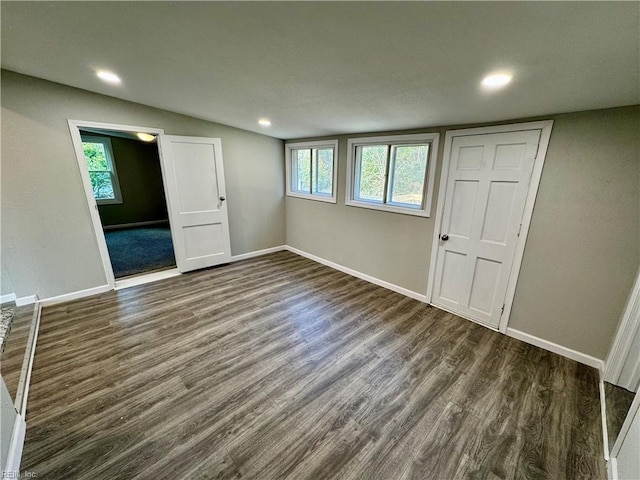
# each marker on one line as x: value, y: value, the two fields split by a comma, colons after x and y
x: 603, y: 419
x: 28, y: 300
x: 148, y: 278
x: 612, y: 469
x: 258, y: 253
x: 67, y: 297
x: 559, y: 349
x: 360, y: 275
x: 136, y: 224
x: 15, y: 448
x: 8, y: 297
x: 22, y: 395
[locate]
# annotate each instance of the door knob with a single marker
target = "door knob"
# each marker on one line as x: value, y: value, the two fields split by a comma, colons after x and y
x: 444, y: 237
x: 222, y: 199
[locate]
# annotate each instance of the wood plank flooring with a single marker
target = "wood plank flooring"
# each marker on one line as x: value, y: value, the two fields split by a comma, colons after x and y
x: 281, y: 368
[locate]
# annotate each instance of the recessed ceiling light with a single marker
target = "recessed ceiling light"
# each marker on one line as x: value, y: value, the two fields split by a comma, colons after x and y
x: 265, y: 122
x: 497, y: 80
x: 146, y: 137
x: 108, y: 77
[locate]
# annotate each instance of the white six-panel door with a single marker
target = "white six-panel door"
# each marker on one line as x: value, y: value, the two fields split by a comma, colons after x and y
x: 197, y: 200
x: 486, y: 190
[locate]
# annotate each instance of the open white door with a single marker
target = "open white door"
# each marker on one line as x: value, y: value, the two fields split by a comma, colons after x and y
x: 196, y: 197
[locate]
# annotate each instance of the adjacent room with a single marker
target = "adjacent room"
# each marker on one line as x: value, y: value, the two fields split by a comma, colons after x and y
x: 320, y: 240
x: 126, y: 184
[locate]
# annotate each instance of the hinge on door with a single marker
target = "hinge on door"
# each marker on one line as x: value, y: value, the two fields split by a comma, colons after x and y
x: 519, y: 229
x: 502, y: 311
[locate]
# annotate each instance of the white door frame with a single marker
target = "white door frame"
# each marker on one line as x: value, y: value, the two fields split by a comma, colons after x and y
x: 545, y: 134
x: 612, y: 464
x: 74, y: 128
x: 620, y: 351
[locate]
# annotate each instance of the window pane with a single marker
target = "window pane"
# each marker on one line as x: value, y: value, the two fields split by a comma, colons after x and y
x: 301, y: 178
x: 95, y: 155
x: 323, y: 171
x: 409, y: 164
x: 102, y: 185
x: 371, y: 174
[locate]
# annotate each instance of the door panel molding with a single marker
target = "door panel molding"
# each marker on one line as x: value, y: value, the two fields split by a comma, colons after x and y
x: 196, y: 197
x: 545, y: 133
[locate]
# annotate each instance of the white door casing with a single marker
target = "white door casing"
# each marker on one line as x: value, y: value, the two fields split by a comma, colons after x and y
x: 74, y: 128
x: 482, y: 208
x: 622, y: 366
x: 197, y: 200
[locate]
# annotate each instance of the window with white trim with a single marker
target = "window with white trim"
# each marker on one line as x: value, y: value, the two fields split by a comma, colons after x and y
x: 102, y: 169
x: 312, y: 170
x: 392, y: 173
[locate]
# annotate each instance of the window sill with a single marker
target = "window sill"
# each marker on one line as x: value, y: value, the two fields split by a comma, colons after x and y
x: 388, y: 208
x: 317, y: 198
x: 114, y: 201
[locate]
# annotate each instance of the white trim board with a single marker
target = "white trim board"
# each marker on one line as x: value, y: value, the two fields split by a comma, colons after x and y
x: 603, y: 419
x: 545, y: 134
x: 15, y: 447
x: 20, y: 403
x: 148, y: 278
x: 67, y: 297
x: 8, y: 297
x: 258, y: 253
x: 28, y: 300
x: 360, y: 275
x: 555, y: 348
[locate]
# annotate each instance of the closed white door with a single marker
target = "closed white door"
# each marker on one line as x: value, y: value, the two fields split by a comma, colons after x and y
x: 197, y: 200
x: 486, y: 190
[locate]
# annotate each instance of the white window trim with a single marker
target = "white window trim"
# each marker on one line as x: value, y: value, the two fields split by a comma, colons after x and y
x: 315, y: 144
x: 115, y: 181
x: 420, y: 138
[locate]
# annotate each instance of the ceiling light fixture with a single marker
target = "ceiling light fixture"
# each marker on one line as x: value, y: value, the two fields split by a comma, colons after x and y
x: 265, y: 122
x: 146, y: 137
x: 108, y: 77
x: 497, y: 80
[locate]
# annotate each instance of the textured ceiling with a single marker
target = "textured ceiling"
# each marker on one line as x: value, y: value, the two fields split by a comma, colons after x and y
x: 320, y: 68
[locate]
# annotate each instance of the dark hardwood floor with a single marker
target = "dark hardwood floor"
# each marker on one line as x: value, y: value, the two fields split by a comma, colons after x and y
x: 281, y: 368
x: 11, y: 359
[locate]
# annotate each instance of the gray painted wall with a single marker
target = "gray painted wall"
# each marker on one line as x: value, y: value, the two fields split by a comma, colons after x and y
x: 6, y: 287
x: 583, y: 247
x: 48, y: 243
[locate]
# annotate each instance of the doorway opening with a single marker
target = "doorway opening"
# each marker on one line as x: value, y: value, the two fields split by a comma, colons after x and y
x: 126, y: 178
x: 125, y: 188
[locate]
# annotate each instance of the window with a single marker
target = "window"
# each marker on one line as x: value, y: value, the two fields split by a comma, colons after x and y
x: 395, y: 173
x: 312, y: 170
x: 102, y: 169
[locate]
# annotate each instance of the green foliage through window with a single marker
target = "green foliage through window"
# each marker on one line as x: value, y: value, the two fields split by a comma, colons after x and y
x: 100, y: 170
x: 312, y: 171
x: 391, y: 174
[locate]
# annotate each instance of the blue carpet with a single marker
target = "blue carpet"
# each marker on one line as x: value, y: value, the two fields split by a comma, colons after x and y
x: 138, y: 250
